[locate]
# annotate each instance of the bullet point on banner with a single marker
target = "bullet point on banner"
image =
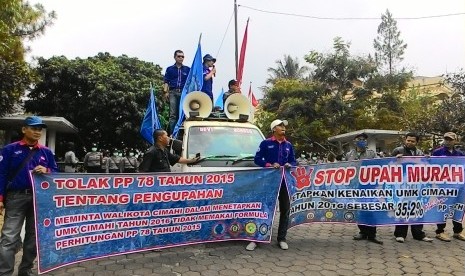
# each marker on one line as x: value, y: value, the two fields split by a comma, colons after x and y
x: 47, y: 222
x: 44, y: 185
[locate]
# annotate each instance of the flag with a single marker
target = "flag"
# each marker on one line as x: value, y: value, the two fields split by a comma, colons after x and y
x: 251, y: 97
x: 240, y: 67
x: 150, y: 122
x: 219, y: 100
x: 194, y: 82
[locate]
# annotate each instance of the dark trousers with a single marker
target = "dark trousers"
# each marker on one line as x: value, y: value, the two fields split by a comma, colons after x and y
x: 284, y: 208
x: 416, y: 229
x: 458, y: 227
x: 94, y: 169
x: 175, y: 98
x: 368, y: 231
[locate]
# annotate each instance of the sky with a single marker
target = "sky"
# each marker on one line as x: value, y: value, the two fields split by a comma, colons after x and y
x: 151, y: 30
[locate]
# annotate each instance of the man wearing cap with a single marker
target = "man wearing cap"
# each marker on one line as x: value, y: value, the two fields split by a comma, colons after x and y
x: 209, y: 72
x: 16, y: 160
x: 448, y: 149
x: 233, y: 86
x: 174, y: 80
x: 276, y: 152
x: 362, y: 152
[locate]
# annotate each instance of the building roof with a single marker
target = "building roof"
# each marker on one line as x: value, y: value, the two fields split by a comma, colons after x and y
x: 59, y: 124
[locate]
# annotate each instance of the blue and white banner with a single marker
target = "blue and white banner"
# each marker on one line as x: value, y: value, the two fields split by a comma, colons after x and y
x: 386, y: 191
x: 86, y: 216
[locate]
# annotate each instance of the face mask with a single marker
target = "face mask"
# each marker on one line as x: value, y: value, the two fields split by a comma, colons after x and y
x: 302, y: 155
x: 94, y: 149
x: 361, y: 144
x: 115, y: 154
x: 120, y: 154
x: 314, y: 158
x: 131, y: 154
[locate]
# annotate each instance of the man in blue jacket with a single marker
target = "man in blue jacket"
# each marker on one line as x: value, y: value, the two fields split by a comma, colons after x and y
x: 276, y: 152
x: 16, y: 160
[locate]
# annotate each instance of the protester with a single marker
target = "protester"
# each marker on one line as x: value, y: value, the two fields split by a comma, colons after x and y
x: 16, y: 160
x: 362, y: 152
x: 209, y: 72
x: 174, y: 80
x: 233, y: 86
x: 448, y: 149
x: 409, y: 149
x: 276, y: 152
x: 70, y: 158
x: 158, y: 158
x: 93, y: 161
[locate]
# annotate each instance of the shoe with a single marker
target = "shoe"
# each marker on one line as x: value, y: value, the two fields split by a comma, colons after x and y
x: 251, y: 246
x: 427, y: 239
x: 400, y: 239
x: 283, y: 245
x: 360, y: 237
x: 375, y: 240
x: 443, y: 237
x: 459, y: 236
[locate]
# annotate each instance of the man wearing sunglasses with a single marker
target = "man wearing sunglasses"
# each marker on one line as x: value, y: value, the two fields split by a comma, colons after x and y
x: 174, y: 80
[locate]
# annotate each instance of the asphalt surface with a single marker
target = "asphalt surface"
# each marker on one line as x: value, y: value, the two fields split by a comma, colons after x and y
x: 316, y: 249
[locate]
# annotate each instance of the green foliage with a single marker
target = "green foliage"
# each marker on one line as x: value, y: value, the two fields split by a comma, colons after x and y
x: 388, y: 45
x: 104, y: 96
x: 288, y: 68
x: 18, y: 21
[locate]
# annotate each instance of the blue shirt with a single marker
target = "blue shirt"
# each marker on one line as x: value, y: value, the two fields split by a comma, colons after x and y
x: 207, y: 84
x: 11, y: 158
x: 272, y: 151
x: 176, y: 77
x: 443, y: 151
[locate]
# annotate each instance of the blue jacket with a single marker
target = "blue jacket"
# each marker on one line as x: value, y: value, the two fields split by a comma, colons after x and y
x: 13, y: 155
x: 443, y: 151
x: 272, y: 151
x: 207, y: 84
x: 176, y: 77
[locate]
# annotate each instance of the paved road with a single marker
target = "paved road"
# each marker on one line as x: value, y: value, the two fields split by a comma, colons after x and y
x: 318, y: 249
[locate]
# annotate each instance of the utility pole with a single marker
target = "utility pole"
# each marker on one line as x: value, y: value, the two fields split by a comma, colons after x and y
x: 235, y: 32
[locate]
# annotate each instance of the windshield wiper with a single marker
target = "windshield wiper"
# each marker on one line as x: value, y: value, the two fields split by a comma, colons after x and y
x: 214, y: 157
x: 248, y: 157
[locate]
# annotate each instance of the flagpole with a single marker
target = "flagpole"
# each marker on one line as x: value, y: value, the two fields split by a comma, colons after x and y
x: 235, y: 32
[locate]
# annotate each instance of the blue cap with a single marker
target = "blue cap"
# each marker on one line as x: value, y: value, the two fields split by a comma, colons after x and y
x: 34, y: 121
x: 208, y: 57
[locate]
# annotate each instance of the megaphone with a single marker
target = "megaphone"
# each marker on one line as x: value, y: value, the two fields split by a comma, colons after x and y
x: 235, y: 105
x: 197, y: 101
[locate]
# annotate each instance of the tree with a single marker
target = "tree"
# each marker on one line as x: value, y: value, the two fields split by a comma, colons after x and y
x: 388, y: 45
x: 288, y: 68
x: 104, y: 96
x: 19, y: 21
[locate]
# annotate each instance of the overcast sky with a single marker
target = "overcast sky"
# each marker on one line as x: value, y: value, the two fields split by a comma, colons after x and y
x: 151, y: 30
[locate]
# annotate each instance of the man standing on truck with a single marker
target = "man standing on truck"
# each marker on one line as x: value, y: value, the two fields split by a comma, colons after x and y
x: 158, y: 158
x: 276, y: 152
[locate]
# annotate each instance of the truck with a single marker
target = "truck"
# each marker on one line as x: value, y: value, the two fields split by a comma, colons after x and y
x: 223, y: 142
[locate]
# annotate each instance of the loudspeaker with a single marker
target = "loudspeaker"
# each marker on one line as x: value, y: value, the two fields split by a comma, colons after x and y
x: 235, y: 105
x: 197, y: 101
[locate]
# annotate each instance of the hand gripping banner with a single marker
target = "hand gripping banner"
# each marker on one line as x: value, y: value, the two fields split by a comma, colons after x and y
x: 87, y: 216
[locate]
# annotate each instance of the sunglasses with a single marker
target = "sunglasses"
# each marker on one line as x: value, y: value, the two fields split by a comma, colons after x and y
x: 180, y: 56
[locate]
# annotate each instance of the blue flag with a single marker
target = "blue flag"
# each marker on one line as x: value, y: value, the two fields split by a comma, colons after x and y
x: 219, y: 100
x: 150, y: 121
x: 194, y: 82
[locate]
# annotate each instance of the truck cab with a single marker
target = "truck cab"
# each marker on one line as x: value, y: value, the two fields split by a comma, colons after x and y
x: 223, y: 143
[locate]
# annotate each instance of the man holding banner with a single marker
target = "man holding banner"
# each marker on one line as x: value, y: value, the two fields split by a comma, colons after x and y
x: 362, y: 152
x: 409, y: 149
x: 448, y: 149
x: 16, y: 197
x: 276, y: 152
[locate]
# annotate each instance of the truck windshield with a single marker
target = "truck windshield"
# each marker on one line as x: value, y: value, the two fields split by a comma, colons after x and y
x: 223, y: 142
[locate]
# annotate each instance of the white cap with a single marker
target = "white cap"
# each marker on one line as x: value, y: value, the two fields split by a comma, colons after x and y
x: 277, y: 123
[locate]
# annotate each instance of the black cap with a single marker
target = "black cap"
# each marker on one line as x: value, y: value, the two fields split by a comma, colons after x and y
x: 364, y: 135
x: 232, y: 82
